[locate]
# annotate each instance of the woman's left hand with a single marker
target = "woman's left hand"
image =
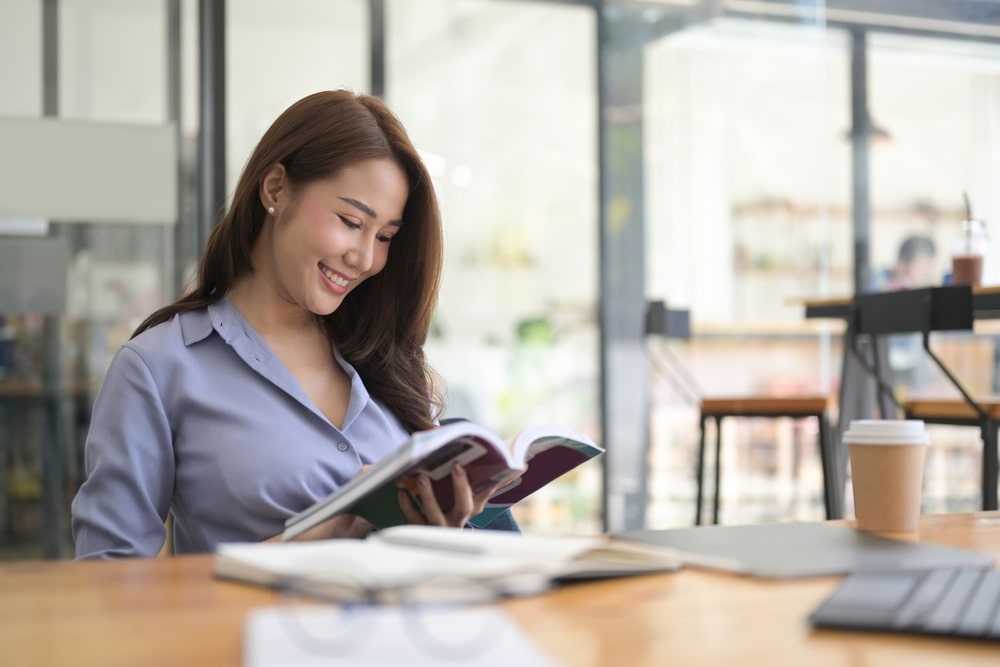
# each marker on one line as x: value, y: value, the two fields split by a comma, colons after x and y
x: 466, y: 504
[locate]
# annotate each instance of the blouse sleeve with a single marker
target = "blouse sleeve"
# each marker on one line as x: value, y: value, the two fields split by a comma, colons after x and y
x: 121, y: 507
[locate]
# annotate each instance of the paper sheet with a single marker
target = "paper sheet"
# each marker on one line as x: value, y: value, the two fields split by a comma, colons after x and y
x: 290, y: 636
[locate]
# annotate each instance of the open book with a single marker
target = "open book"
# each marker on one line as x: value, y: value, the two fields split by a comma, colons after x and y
x: 536, y: 456
x: 561, y: 558
x: 405, y: 557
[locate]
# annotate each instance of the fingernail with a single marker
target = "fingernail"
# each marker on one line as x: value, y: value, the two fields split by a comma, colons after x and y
x: 459, y: 469
x: 424, y: 480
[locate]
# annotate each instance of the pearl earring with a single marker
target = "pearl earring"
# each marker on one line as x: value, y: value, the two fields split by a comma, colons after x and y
x: 270, y: 210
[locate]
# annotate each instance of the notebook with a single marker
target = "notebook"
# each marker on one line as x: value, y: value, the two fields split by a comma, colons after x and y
x: 958, y: 602
x: 800, y: 549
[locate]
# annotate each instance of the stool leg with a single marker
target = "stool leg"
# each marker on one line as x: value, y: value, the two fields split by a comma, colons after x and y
x: 701, y: 472
x: 990, y: 465
x: 718, y: 468
x: 796, y: 463
x: 826, y: 461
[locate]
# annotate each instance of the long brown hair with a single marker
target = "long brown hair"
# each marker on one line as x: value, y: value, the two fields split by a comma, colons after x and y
x: 382, y: 325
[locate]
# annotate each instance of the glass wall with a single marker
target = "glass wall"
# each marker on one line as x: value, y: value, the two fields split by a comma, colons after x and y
x: 512, y: 146
x: 275, y: 56
x: 748, y: 198
x: 752, y: 194
x: 746, y: 162
x: 115, y: 272
x: 939, y: 102
x: 525, y: 318
x: 21, y: 37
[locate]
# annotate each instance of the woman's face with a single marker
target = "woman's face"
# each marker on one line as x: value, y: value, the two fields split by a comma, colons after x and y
x: 334, y: 233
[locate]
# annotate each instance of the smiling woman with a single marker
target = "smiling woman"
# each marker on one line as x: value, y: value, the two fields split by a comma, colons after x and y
x: 321, y: 241
x: 294, y: 361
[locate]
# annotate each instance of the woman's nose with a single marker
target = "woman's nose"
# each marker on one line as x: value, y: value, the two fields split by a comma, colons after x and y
x: 361, y: 255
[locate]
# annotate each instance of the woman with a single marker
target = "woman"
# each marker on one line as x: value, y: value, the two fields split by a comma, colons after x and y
x: 297, y: 358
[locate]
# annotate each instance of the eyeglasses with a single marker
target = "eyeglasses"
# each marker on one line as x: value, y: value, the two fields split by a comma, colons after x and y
x: 445, y: 617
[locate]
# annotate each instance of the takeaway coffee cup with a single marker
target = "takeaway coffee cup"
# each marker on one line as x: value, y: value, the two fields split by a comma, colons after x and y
x: 887, y: 469
x: 967, y: 254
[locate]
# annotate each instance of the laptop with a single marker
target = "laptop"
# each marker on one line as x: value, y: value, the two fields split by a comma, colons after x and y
x: 953, y: 602
x: 801, y: 549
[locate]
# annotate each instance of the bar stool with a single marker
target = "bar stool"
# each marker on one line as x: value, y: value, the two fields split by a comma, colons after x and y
x: 669, y: 323
x: 958, y: 412
x: 923, y: 311
x: 794, y: 407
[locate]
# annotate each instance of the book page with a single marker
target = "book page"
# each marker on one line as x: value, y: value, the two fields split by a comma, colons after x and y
x: 539, y: 550
x: 541, y: 436
x: 549, y: 452
x: 559, y: 556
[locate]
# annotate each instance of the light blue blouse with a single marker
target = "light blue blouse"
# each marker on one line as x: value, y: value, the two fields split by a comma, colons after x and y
x: 197, y: 416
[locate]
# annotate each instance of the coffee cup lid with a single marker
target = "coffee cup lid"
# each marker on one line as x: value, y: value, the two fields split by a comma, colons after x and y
x: 887, y: 432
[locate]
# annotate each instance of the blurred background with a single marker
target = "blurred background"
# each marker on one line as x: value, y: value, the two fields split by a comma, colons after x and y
x: 730, y: 157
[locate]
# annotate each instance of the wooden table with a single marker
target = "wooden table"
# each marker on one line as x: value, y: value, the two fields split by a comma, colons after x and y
x: 863, y: 382
x: 985, y: 304
x: 172, y: 612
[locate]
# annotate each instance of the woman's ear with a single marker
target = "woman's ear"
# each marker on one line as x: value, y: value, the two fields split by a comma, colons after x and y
x: 274, y: 187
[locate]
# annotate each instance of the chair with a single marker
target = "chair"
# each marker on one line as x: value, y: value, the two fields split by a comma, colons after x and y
x: 985, y: 415
x: 924, y: 311
x: 793, y: 407
x: 675, y: 324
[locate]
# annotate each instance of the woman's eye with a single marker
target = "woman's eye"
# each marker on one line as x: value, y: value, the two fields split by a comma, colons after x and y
x: 350, y: 224
x: 384, y: 239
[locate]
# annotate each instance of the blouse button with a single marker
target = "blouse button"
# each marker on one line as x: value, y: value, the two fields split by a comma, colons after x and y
x: 343, y: 446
